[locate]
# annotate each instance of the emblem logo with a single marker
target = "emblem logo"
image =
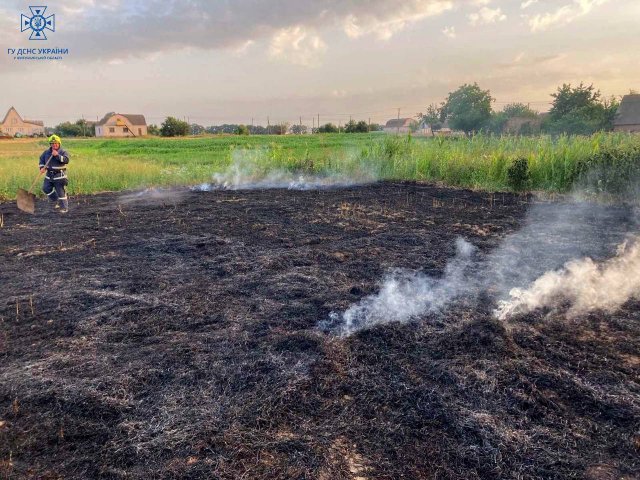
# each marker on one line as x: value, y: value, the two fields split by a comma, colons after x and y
x: 37, y: 23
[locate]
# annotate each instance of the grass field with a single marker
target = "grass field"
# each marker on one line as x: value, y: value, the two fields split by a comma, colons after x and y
x: 481, y: 162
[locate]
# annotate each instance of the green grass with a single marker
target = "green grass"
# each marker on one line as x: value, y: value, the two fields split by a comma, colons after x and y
x: 481, y: 162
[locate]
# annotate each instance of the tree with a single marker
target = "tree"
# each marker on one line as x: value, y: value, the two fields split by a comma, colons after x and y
x: 173, y: 127
x: 153, y: 129
x: 432, y: 117
x: 242, y: 130
x: 519, y: 110
x: 196, y: 129
x: 568, y: 100
x: 80, y: 128
x: 328, y: 128
x: 298, y: 129
x: 498, y: 120
x: 278, y: 128
x: 580, y: 111
x: 356, y: 127
x: 468, y: 108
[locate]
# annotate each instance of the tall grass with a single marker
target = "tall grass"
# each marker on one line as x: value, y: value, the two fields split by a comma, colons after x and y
x: 553, y: 164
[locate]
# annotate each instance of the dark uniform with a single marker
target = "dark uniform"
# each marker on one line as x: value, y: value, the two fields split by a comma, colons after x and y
x: 55, y: 179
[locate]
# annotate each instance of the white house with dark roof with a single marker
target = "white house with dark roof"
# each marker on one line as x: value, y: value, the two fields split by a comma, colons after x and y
x: 121, y: 125
x: 628, y: 116
x: 14, y: 124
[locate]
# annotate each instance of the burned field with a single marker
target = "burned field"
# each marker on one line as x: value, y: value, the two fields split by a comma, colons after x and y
x: 177, y: 337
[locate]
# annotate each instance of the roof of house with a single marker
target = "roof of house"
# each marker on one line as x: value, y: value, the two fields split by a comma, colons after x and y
x: 40, y: 123
x: 399, y: 122
x: 134, y: 118
x: 629, y: 111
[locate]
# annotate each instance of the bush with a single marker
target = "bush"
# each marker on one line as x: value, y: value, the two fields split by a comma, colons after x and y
x: 611, y: 170
x: 518, y: 174
x: 172, y: 127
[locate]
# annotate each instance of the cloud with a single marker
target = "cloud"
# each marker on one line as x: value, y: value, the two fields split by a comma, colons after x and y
x: 528, y: 3
x: 298, y: 46
x: 564, y: 14
x: 107, y: 29
x: 486, y: 15
x: 449, y: 32
x: 386, y: 23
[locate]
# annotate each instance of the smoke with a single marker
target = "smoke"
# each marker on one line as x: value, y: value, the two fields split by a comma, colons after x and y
x: 406, y: 295
x: 251, y: 169
x: 551, y: 235
x: 560, y: 256
x: 153, y: 195
x: 585, y: 284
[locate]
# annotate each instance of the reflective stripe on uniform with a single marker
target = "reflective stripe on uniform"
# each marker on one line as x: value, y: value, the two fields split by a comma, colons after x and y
x: 56, y: 178
x: 62, y: 198
x: 51, y: 192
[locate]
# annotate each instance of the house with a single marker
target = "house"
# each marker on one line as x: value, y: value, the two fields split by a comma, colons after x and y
x: 13, y: 125
x: 400, y: 125
x: 524, y: 125
x: 121, y: 125
x: 424, y: 130
x: 628, y: 116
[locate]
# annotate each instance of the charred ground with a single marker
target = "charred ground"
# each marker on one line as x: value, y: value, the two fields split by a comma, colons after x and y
x: 148, y: 337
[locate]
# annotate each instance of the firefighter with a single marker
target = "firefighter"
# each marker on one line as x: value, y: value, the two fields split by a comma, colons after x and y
x: 53, y: 163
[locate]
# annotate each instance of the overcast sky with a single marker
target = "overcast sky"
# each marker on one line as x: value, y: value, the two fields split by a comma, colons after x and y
x: 227, y: 61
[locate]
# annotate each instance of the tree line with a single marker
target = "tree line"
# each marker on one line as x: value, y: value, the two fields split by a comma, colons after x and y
x: 174, y: 127
x: 580, y: 110
x: 577, y: 110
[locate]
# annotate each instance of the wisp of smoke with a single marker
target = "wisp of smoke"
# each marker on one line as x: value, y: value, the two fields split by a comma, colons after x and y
x: 585, y: 284
x: 153, y: 195
x: 250, y: 170
x: 405, y: 295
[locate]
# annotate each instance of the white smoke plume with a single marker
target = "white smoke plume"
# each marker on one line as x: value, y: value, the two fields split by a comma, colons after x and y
x: 251, y: 170
x: 406, y: 295
x: 557, y: 258
x: 585, y: 284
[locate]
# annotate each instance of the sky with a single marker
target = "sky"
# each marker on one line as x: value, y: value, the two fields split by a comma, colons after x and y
x: 238, y: 61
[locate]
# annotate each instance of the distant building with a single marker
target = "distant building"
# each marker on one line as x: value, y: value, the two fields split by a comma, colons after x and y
x: 628, y: 116
x: 524, y: 125
x: 424, y: 130
x: 121, y: 125
x: 13, y: 125
x: 400, y: 125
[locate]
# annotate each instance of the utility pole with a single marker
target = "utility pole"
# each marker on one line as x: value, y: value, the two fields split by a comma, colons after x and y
x: 318, y: 120
x: 398, y: 127
x: 268, y: 126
